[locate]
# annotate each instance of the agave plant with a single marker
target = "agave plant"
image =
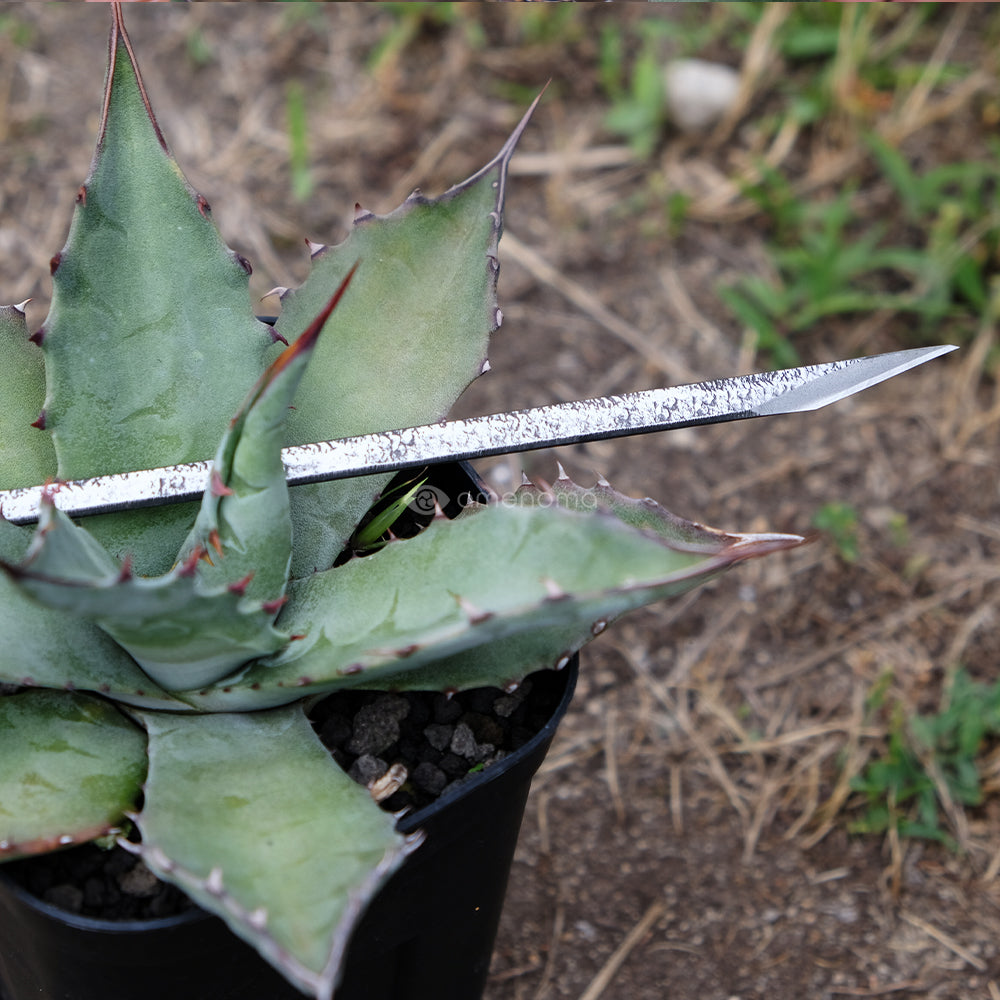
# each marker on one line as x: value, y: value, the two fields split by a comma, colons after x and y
x: 158, y: 664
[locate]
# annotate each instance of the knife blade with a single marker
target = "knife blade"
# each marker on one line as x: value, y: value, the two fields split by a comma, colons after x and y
x: 789, y: 390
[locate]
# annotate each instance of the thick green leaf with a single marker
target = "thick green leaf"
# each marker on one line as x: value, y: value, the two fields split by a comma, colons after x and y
x: 251, y: 817
x: 213, y: 611
x: 381, y: 621
x: 181, y: 631
x: 44, y: 647
x: 244, y: 520
x: 150, y: 344
x: 27, y: 457
x: 410, y: 338
x: 70, y: 767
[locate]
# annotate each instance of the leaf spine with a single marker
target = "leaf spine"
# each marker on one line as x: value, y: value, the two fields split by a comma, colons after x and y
x: 215, y: 541
x: 213, y: 884
x: 273, y: 607
x: 474, y: 614
x: 190, y: 564
x: 239, y: 587
x: 40, y: 421
x: 218, y: 487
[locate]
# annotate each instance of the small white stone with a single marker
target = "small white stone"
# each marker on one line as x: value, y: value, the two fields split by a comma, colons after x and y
x: 699, y: 93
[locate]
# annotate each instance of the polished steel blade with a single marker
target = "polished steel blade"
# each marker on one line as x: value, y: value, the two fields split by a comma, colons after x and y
x: 788, y: 391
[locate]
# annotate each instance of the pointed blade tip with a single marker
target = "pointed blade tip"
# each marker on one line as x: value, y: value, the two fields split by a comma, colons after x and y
x: 837, y: 381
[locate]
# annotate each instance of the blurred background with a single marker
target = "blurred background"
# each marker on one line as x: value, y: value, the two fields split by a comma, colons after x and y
x: 786, y: 784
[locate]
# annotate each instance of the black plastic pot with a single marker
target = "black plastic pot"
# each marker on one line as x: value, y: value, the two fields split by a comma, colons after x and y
x: 429, y: 933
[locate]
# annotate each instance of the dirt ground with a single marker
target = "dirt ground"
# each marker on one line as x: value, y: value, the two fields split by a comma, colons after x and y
x: 688, y: 835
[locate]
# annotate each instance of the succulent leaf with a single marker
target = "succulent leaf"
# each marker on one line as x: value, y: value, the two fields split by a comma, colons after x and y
x: 179, y: 631
x: 213, y: 611
x: 379, y: 621
x: 144, y: 275
x: 55, y: 649
x: 26, y: 453
x: 410, y: 339
x: 244, y: 514
x: 251, y: 817
x: 72, y: 766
